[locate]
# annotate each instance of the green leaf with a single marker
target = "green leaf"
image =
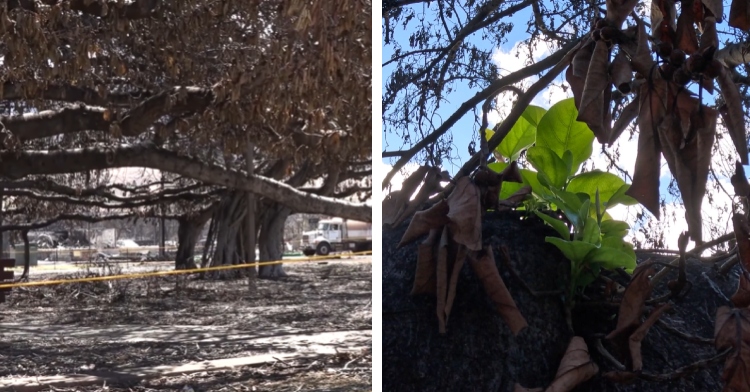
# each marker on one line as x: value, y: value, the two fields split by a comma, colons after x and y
x: 615, y: 228
x: 619, y: 197
x: 497, y: 167
x: 509, y: 188
x: 533, y: 114
x: 559, y: 131
x: 520, y: 137
x: 569, y: 203
x: 556, y: 224
x: 575, y: 251
x: 530, y: 178
x: 591, y: 233
x: 610, y: 258
x: 546, y: 161
x: 608, y: 185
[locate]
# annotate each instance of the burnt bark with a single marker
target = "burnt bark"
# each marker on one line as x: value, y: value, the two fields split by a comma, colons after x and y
x: 479, y: 352
x: 188, y: 231
x: 26, y: 254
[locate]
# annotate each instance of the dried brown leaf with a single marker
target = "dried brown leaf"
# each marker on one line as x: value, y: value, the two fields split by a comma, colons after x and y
x: 430, y: 186
x: 715, y: 9
x: 576, y: 85
x: 739, y: 181
x: 633, y: 302
x: 442, y: 278
x: 741, y: 297
x: 732, y: 330
x: 637, y: 337
x: 519, y: 388
x: 739, y: 15
x: 575, y: 368
x: 465, y: 214
x: 687, y: 136
x: 622, y: 72
x: 455, y: 271
x: 618, y: 10
x: 687, y: 41
x: 519, y: 195
x: 645, y: 186
x: 734, y: 118
x: 396, y: 202
x: 591, y: 110
x: 486, y: 270
x: 709, y: 38
x: 434, y: 217
x: 627, y: 115
x: 622, y: 377
x: 425, y: 278
x: 642, y: 61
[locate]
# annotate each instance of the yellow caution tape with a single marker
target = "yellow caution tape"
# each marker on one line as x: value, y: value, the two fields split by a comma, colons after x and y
x: 173, y: 272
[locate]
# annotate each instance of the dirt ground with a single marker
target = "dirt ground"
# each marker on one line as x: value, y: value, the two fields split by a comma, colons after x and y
x: 336, y: 296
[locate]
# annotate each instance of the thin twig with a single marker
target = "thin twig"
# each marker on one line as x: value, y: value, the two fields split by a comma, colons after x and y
x: 687, y: 369
x: 608, y: 356
x: 684, y: 335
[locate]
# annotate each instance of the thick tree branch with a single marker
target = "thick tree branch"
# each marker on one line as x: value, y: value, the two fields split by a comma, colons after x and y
x: 19, y: 165
x: 734, y: 54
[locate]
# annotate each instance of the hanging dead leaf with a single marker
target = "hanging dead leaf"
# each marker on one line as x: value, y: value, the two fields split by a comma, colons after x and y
x: 645, y: 186
x: 425, y: 278
x: 687, y: 136
x: 709, y: 38
x: 637, y: 337
x: 687, y: 41
x: 739, y: 15
x: 434, y: 217
x: 442, y: 278
x: 430, y: 186
x: 741, y: 297
x: 519, y: 195
x: 591, y: 110
x: 575, y: 368
x: 739, y: 181
x: 622, y: 72
x: 618, y: 10
x: 465, y: 214
x: 734, y: 117
x: 732, y: 330
x: 396, y: 202
x: 455, y: 271
x: 633, y: 302
x: 576, y: 85
x: 642, y: 61
x: 628, y: 114
x: 486, y: 270
x: 714, y: 8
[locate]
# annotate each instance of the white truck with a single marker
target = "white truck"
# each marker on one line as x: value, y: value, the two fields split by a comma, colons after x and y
x: 337, y: 235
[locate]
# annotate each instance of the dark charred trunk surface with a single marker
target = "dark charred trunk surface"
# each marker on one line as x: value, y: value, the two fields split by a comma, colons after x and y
x: 26, y: 255
x: 479, y: 353
x: 187, y: 237
x: 271, y: 242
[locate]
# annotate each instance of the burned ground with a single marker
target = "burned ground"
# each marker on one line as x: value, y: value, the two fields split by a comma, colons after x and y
x: 314, y: 299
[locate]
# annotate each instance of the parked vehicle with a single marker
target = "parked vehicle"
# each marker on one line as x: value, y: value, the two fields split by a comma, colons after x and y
x: 337, y: 235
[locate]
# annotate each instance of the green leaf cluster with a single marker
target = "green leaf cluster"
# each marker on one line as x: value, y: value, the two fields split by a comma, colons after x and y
x: 556, y: 145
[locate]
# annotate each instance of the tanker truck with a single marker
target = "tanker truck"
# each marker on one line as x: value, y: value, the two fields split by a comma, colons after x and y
x: 337, y: 235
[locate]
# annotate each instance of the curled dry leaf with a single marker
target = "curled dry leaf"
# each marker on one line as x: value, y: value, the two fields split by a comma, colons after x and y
x: 425, y: 278
x: 618, y: 10
x: 442, y: 278
x: 633, y: 302
x: 687, y: 135
x: 687, y: 41
x: 455, y: 271
x: 579, y: 67
x: 575, y: 368
x: 486, y: 270
x: 741, y: 297
x: 739, y: 181
x: 642, y: 61
x: 645, y: 186
x: 739, y: 15
x: 628, y: 114
x: 637, y: 337
x: 714, y: 8
x: 732, y: 330
x: 591, y: 109
x: 396, y: 202
x: 519, y: 195
x: 734, y: 116
x: 430, y: 186
x: 709, y: 38
x: 622, y: 72
x: 465, y: 214
x: 434, y: 217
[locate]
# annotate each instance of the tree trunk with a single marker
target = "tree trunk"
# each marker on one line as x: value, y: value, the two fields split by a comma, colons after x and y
x: 479, y: 352
x: 249, y: 231
x: 26, y: 255
x: 272, y: 241
x: 188, y: 231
